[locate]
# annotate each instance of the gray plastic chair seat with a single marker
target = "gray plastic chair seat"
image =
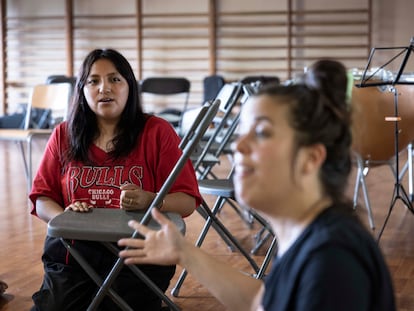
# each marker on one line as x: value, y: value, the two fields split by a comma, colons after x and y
x: 102, y: 224
x: 217, y: 187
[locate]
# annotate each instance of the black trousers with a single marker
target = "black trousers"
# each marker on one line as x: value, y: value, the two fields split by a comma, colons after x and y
x: 66, y: 286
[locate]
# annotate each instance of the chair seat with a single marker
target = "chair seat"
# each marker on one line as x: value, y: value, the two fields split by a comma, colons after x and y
x: 217, y: 187
x: 22, y: 135
x: 102, y: 224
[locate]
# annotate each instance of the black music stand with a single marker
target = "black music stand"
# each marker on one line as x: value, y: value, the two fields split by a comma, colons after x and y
x: 390, y: 82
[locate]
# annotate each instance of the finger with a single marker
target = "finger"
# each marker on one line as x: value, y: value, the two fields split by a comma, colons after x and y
x: 143, y: 230
x: 76, y: 206
x: 128, y: 187
x: 159, y: 217
x: 132, y: 252
x: 85, y: 207
x: 134, y: 243
x: 79, y: 207
x: 128, y: 204
x: 71, y: 207
x: 134, y: 260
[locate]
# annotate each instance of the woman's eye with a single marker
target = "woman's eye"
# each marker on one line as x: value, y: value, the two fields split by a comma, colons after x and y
x: 116, y: 79
x: 92, y: 81
x: 261, y: 134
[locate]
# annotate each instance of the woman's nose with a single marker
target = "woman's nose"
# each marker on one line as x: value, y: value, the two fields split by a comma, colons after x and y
x: 239, y: 144
x: 104, y: 87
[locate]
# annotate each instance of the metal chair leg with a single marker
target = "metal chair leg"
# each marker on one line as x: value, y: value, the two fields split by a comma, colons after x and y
x: 360, y: 182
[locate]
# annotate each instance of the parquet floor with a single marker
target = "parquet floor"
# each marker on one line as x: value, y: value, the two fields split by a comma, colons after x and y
x: 22, y: 236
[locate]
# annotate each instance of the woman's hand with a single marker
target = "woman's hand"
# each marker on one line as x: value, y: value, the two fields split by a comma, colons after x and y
x: 162, y: 247
x: 134, y: 198
x: 80, y: 207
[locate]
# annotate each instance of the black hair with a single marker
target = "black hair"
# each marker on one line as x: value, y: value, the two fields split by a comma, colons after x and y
x: 82, y: 123
x: 330, y: 77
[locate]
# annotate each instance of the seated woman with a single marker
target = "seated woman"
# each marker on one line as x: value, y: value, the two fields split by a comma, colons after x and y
x: 109, y: 154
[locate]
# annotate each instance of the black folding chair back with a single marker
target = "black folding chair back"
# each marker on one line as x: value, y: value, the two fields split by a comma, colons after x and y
x: 166, y: 87
x: 225, y: 124
x: 211, y: 86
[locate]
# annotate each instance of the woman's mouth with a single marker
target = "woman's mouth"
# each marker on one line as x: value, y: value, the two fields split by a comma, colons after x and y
x: 105, y: 100
x: 243, y: 171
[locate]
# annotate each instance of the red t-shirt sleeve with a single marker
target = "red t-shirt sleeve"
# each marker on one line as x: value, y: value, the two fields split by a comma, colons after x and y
x: 47, y: 181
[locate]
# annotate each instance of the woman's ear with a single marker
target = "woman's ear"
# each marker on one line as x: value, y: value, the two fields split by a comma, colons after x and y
x: 314, y: 156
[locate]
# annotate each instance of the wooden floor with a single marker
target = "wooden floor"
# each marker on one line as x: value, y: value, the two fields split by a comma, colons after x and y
x: 22, y: 236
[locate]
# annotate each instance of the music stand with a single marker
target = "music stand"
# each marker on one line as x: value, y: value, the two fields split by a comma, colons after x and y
x: 390, y: 82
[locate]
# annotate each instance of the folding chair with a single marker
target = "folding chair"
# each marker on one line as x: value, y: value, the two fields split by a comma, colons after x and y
x: 112, y: 225
x: 211, y: 86
x: 224, y: 126
x: 62, y: 79
x: 54, y: 99
x: 167, y: 87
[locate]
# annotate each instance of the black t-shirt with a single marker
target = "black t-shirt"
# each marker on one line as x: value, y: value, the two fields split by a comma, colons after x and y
x: 335, y: 264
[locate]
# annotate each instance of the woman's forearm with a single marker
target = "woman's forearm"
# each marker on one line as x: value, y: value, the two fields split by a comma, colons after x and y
x: 167, y: 246
x: 235, y: 290
x: 180, y: 203
x: 47, y: 209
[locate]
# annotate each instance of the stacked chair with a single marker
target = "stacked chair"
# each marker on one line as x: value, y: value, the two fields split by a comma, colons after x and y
x: 231, y: 96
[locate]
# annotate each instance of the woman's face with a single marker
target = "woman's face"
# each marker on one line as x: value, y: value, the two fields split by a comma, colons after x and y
x: 106, y: 91
x: 266, y: 171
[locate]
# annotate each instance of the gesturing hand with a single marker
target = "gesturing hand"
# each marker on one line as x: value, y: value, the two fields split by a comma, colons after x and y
x: 162, y: 247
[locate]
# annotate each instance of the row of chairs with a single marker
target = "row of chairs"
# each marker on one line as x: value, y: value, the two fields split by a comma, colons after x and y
x: 176, y: 86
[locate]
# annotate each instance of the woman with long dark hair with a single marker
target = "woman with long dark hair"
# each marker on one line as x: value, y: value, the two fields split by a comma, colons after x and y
x: 109, y: 154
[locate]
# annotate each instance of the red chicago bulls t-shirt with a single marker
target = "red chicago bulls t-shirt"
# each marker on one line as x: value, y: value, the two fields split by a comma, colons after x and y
x: 147, y: 166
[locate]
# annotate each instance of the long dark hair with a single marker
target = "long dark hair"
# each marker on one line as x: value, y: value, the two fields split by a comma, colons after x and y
x: 319, y: 114
x: 82, y: 123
